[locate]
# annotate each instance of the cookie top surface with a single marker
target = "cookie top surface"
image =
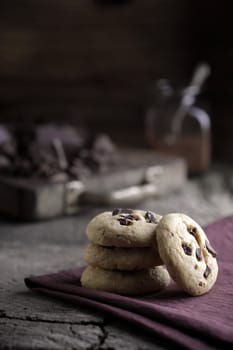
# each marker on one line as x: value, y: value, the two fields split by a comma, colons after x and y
x: 187, y: 253
x: 123, y: 228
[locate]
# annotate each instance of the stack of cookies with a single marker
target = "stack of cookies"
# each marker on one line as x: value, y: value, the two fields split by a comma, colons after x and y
x: 121, y: 256
x: 135, y: 252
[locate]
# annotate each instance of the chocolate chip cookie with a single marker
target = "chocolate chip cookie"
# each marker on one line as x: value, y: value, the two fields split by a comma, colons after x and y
x: 187, y: 253
x: 127, y: 283
x: 125, y: 259
x: 123, y: 228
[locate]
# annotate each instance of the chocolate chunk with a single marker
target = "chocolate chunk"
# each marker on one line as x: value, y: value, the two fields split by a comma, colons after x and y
x: 192, y: 231
x: 117, y: 211
x: 201, y: 284
x: 150, y: 218
x: 207, y: 271
x: 46, y: 149
x: 210, y: 249
x: 125, y: 222
x: 129, y: 217
x: 198, y: 254
x: 187, y: 249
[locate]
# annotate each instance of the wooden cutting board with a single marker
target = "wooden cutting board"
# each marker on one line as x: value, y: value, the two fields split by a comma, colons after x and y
x: 139, y: 174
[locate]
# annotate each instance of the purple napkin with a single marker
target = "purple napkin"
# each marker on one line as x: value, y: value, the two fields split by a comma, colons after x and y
x: 204, y: 322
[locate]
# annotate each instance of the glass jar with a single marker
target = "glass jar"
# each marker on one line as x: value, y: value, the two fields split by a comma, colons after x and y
x: 191, y: 140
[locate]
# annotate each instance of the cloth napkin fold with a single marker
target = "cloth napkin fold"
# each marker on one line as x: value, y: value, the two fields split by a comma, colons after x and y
x: 204, y: 322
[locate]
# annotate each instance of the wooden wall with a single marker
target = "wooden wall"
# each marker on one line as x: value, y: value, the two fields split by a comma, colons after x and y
x: 95, y: 60
x: 213, y: 41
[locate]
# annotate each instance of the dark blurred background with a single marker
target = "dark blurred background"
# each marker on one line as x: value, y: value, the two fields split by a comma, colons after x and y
x: 94, y: 61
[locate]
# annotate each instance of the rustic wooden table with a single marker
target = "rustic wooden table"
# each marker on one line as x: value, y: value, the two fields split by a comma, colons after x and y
x: 29, y: 321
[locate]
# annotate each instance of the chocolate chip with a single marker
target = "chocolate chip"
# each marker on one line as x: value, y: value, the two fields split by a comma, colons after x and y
x: 130, y: 217
x: 198, y: 254
x: 125, y: 222
x: 150, y: 218
x: 192, y: 231
x: 77, y: 153
x: 210, y: 249
x: 116, y: 211
x: 187, y: 249
x: 201, y: 284
x: 207, y: 271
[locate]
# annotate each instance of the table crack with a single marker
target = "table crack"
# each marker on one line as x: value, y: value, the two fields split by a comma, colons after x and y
x: 3, y: 315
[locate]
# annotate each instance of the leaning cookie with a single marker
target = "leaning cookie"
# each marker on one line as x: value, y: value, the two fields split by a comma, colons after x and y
x: 187, y: 253
x: 125, y: 259
x: 126, y: 283
x: 123, y: 228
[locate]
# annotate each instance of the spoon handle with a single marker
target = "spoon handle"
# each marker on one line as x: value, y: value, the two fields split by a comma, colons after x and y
x: 200, y: 74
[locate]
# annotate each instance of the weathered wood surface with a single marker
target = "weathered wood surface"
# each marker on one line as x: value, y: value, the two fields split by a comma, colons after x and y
x: 29, y: 321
